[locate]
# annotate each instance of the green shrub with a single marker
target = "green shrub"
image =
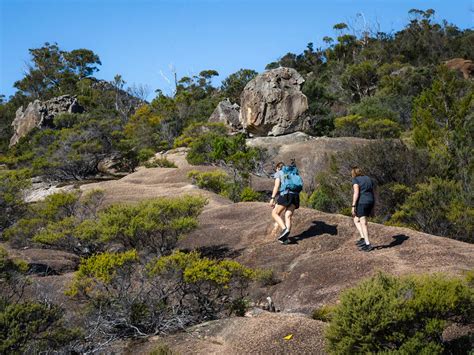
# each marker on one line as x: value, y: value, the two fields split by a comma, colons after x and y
x: 438, y: 207
x: 216, y: 181
x: 359, y: 126
x: 324, y: 313
x: 12, y: 277
x: 380, y: 128
x: 160, y: 163
x: 348, y: 125
x: 153, y: 225
x: 12, y: 184
x: 57, y: 206
x: 20, y: 234
x: 131, y: 297
x: 54, y: 220
x: 32, y: 327
x: 232, y: 153
x: 360, y: 79
x: 100, y: 269
x: 374, y: 107
x: 209, y: 279
x: 196, y: 130
x: 249, y: 195
x: 406, y: 315
x: 145, y: 154
x: 267, y: 277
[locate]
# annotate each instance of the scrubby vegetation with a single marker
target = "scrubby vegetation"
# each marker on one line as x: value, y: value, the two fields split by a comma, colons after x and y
x: 404, y: 315
x: 221, y: 183
x: 64, y: 221
x: 12, y: 184
x: 137, y: 298
x: 160, y: 163
x: 145, y: 288
x: 392, y: 89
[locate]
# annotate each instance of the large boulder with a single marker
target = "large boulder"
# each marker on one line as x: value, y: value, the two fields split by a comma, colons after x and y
x: 465, y: 66
x: 273, y: 104
x: 41, y: 114
x: 227, y: 113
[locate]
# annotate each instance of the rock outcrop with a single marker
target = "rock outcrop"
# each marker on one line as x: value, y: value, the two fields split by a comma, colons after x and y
x: 273, y: 104
x: 465, y: 66
x: 311, y: 154
x: 45, y: 262
x: 227, y: 113
x: 312, y: 272
x: 41, y: 114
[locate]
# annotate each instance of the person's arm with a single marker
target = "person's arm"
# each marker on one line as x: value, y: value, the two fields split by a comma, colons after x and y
x: 276, y: 187
x: 355, y: 197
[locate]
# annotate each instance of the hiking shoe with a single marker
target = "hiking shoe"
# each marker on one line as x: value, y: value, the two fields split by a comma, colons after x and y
x: 284, y: 235
x: 360, y: 242
x: 289, y: 240
x: 366, y: 247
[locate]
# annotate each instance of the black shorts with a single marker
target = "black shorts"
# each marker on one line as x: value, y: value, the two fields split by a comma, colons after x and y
x: 364, y: 209
x: 289, y: 199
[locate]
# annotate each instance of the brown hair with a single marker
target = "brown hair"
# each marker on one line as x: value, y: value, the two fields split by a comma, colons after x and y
x: 356, y: 171
x: 279, y: 165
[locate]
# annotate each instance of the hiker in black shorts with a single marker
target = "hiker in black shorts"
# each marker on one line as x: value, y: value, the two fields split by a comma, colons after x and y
x: 363, y: 201
x: 283, y: 201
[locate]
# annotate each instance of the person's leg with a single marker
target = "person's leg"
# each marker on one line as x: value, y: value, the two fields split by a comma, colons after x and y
x: 365, y: 231
x: 277, y: 211
x: 288, y: 215
x: 359, y: 226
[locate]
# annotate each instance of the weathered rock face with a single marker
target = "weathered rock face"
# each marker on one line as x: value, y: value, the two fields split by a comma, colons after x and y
x: 311, y: 154
x: 273, y: 104
x: 465, y: 66
x: 227, y: 113
x: 40, y: 114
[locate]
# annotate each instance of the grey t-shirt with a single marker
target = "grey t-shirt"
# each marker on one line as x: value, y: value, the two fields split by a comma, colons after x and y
x: 366, y: 189
x: 279, y: 175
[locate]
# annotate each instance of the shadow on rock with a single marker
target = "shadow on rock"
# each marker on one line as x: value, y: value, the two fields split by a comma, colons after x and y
x: 317, y: 228
x: 397, y: 240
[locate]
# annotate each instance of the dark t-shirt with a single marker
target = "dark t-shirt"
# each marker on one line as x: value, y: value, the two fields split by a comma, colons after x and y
x: 366, y: 189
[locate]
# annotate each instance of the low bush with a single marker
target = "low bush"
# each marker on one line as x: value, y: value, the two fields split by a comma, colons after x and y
x: 324, y: 313
x: 438, y: 207
x: 12, y: 277
x: 150, y: 226
x: 32, y: 327
x: 196, y: 130
x: 216, y: 181
x: 133, y: 297
x: 53, y: 221
x: 12, y: 185
x: 359, y: 126
x: 159, y: 163
x: 249, y: 195
x: 405, y: 315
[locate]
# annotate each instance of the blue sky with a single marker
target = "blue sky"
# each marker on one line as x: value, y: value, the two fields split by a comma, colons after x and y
x: 145, y: 40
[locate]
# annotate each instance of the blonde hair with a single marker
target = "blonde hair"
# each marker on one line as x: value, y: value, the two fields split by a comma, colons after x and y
x: 356, y: 171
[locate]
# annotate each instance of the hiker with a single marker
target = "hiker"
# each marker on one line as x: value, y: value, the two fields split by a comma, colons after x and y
x: 285, y: 197
x: 363, y: 201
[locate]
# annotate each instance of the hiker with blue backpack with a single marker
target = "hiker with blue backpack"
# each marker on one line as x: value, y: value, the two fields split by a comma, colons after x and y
x: 285, y: 197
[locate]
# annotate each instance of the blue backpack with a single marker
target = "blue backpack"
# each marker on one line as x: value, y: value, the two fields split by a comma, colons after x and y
x: 292, y: 180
